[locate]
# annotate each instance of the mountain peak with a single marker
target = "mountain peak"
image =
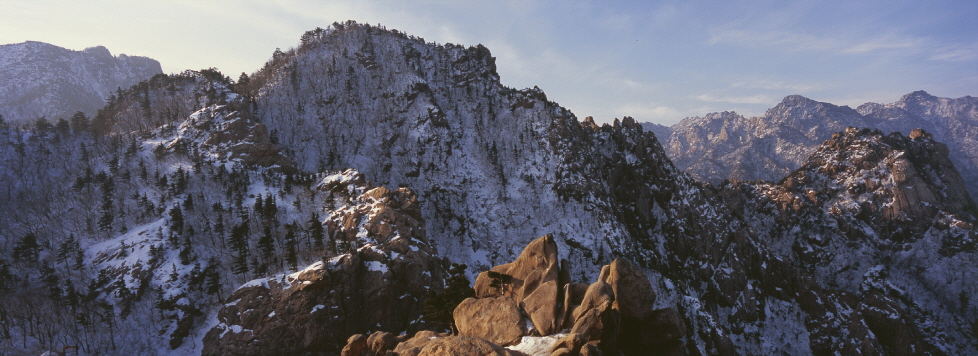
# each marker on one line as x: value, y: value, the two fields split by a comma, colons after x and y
x: 795, y: 100
x: 917, y: 96
x: 98, y: 51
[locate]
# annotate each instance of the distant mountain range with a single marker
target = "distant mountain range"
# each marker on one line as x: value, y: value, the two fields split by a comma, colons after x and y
x: 727, y: 145
x: 327, y: 193
x: 43, y: 80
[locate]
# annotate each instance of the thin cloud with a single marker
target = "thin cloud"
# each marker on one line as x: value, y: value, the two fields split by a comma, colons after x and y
x: 885, y: 44
x: 752, y: 99
x: 958, y: 53
x: 650, y: 112
x: 788, y: 40
x: 774, y: 85
x: 798, y: 42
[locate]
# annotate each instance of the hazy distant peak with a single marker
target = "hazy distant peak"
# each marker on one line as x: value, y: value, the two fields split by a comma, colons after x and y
x: 917, y: 96
x: 98, y: 51
x: 43, y: 80
x: 796, y: 100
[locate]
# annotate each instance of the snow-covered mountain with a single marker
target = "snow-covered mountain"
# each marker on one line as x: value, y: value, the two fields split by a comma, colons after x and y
x: 726, y: 145
x: 186, y: 187
x: 42, y: 80
x: 877, y: 222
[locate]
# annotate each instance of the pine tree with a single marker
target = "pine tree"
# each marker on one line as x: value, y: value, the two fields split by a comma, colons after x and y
x: 290, y: 246
x: 176, y: 219
x: 213, y: 278
x: 258, y: 267
x: 108, y: 215
x: 79, y: 122
x: 196, y: 279
x: 439, y: 306
x: 316, y: 231
x: 7, y: 279
x: 266, y: 246
x: 27, y: 249
x: 181, y: 181
x: 259, y: 205
x: 79, y: 256
x: 239, y: 244
x: 188, y: 204
x: 51, y: 282
x: 186, y: 252
x: 66, y: 249
x: 271, y: 208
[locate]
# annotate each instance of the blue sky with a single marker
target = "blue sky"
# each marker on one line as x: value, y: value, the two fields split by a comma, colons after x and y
x: 655, y: 61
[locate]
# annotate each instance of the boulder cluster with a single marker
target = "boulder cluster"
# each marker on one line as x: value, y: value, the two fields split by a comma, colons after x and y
x: 534, y: 297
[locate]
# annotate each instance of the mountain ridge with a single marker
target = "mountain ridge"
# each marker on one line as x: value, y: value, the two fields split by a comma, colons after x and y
x: 772, y: 145
x: 44, y: 80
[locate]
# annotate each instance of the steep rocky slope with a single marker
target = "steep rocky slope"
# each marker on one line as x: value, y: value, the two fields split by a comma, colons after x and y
x: 726, y: 145
x: 379, y: 284
x: 951, y: 121
x: 42, y: 80
x: 495, y: 164
x: 879, y: 222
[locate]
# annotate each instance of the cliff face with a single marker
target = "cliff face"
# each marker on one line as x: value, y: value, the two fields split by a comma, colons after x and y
x: 43, y: 80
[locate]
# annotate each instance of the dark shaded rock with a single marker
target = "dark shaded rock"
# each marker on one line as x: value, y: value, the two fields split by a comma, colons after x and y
x: 597, y: 295
x: 661, y: 333
x: 634, y: 295
x: 600, y: 323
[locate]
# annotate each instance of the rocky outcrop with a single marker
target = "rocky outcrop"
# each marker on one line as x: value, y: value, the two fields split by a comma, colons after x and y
x: 231, y: 136
x: 895, y: 184
x: 535, y: 266
x: 594, y: 321
x: 380, y: 284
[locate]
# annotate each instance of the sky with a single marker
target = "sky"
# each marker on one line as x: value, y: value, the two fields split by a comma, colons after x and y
x: 656, y: 61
